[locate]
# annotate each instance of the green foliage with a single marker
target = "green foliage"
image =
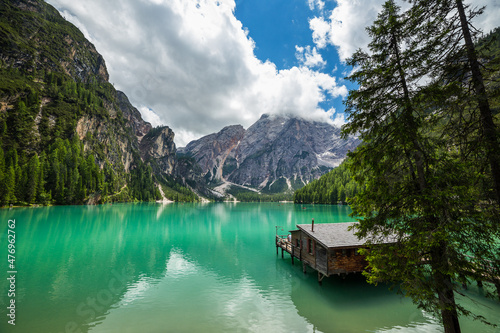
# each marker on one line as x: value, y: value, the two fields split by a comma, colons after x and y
x: 50, y: 78
x: 177, y: 192
x: 174, y: 190
x: 280, y: 185
x: 244, y: 195
x: 142, y: 185
x: 50, y: 49
x: 423, y: 182
x: 255, y: 197
x: 332, y: 188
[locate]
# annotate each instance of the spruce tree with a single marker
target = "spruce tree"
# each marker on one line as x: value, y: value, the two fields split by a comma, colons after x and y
x: 447, y: 40
x: 33, y: 177
x: 418, y: 186
x: 10, y: 185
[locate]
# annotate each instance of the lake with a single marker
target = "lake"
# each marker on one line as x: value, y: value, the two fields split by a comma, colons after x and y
x: 191, y: 268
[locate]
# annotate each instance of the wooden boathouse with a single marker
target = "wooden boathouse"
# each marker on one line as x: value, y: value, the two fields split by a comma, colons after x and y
x: 332, y: 249
x: 328, y: 248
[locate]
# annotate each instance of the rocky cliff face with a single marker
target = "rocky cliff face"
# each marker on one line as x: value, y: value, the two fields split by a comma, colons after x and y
x: 47, y: 64
x: 58, y: 47
x: 138, y: 125
x: 158, y: 146
x: 276, y: 154
x: 214, y: 151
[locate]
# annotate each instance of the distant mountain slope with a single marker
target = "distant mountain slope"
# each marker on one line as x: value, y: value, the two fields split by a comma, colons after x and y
x: 276, y: 154
x: 66, y: 135
x: 332, y: 188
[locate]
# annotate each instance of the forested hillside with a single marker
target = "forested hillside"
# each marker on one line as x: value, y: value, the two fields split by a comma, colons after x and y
x: 66, y: 135
x: 332, y: 188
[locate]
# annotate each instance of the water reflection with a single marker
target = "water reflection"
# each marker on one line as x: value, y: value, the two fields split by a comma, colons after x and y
x: 185, y: 268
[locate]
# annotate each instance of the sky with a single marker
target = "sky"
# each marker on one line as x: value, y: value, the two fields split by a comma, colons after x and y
x: 200, y: 65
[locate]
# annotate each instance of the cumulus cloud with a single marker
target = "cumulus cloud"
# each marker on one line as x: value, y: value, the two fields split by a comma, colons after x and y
x: 309, y: 57
x: 320, y: 31
x: 316, y: 4
x: 344, y: 26
x: 193, y: 63
x: 150, y: 116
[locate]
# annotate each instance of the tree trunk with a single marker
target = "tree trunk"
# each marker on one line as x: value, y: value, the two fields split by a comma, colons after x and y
x: 448, y: 310
x: 488, y: 126
x: 444, y: 289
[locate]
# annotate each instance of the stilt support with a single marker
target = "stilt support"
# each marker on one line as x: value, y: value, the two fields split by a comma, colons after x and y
x: 321, y: 276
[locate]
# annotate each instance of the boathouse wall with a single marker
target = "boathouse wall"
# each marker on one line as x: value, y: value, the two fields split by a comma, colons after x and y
x: 326, y: 260
x: 308, y: 249
x: 342, y: 261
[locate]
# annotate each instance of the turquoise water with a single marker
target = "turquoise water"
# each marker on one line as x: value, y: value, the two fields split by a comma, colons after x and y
x: 190, y: 268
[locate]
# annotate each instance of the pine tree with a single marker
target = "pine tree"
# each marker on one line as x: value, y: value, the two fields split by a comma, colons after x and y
x: 418, y: 186
x: 10, y: 185
x: 448, y: 48
x: 33, y: 177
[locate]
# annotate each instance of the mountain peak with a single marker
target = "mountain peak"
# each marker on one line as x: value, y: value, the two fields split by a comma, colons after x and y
x: 276, y: 153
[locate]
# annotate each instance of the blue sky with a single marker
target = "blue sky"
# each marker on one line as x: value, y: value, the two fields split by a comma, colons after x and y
x: 276, y: 36
x: 199, y: 65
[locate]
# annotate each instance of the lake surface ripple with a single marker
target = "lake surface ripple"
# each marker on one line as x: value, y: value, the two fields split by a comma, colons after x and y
x: 191, y: 268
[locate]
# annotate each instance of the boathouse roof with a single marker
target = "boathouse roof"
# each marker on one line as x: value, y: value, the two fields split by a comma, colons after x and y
x: 336, y: 235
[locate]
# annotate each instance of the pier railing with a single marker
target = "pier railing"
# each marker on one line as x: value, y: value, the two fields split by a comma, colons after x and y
x: 287, y: 246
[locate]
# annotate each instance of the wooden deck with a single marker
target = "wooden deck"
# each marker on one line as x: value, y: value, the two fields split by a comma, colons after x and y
x: 286, y: 246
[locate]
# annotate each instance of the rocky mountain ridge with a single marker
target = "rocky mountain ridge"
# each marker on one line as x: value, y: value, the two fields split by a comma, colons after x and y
x: 55, y: 95
x: 276, y: 154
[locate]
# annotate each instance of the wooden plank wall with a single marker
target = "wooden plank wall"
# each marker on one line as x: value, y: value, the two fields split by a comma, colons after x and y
x: 346, y: 262
x: 307, y: 257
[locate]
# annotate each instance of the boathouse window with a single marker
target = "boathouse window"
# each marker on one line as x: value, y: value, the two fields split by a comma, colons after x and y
x: 298, y: 242
x: 309, y: 246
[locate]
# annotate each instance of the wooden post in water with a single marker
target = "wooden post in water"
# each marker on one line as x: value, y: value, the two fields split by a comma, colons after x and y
x: 292, y: 253
x: 321, y: 276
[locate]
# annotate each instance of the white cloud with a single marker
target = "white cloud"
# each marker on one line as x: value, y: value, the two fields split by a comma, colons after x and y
x: 489, y: 20
x: 344, y: 27
x: 193, y: 63
x: 337, y: 119
x: 309, y: 57
x: 316, y: 3
x: 150, y: 116
x: 320, y: 31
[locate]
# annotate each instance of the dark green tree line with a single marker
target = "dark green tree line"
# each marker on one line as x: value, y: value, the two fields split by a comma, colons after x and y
x: 332, y: 188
